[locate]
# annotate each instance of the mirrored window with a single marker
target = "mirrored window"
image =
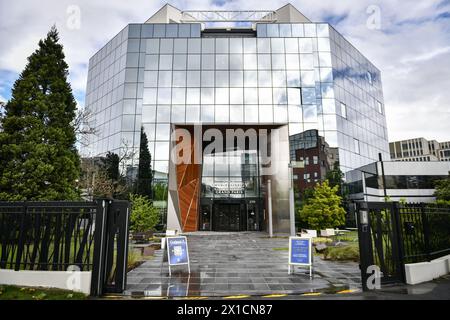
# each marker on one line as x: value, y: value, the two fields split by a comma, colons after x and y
x: 207, y: 45
x: 265, y: 79
x: 236, y: 45
x: 207, y: 78
x: 192, y: 113
x: 178, y: 96
x: 222, y: 79
x: 165, y: 62
x: 163, y: 113
x: 193, y: 96
x: 250, y: 96
x: 222, y: 113
x: 148, y: 113
x: 251, y: 113
x: 263, y: 45
x: 236, y: 62
x: 264, y: 62
x: 194, y: 46
x: 236, y: 111
x: 194, y: 62
x: 310, y: 113
x: 207, y: 95
x: 236, y: 78
x: 193, y: 78
x: 179, y: 62
x: 166, y: 46
x: 165, y: 79
x: 150, y: 79
x: 178, y: 113
x: 250, y: 78
x: 222, y: 45
x: 208, y: 62
x: 179, y: 78
x: 207, y: 113
x: 163, y: 131
x: 222, y: 62
x: 249, y: 45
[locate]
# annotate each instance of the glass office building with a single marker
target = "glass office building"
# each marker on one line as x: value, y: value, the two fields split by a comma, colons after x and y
x: 282, y: 73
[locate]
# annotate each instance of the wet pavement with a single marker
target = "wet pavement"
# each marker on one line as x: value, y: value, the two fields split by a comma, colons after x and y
x: 238, y: 264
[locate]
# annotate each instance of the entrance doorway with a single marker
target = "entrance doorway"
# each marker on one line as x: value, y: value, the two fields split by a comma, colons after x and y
x: 227, y: 217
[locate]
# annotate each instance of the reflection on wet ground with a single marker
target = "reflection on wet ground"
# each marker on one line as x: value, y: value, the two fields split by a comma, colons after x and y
x: 244, y: 263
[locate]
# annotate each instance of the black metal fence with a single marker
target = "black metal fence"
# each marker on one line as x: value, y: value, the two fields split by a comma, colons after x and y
x: 393, y: 234
x: 424, y: 231
x: 47, y: 235
x: 52, y: 236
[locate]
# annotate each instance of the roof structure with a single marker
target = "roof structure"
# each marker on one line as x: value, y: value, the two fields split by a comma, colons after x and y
x: 171, y: 14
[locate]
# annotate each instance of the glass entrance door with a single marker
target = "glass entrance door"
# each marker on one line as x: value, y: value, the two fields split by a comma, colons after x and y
x: 227, y: 217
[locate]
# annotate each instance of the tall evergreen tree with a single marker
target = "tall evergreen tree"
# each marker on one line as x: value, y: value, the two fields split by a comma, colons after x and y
x: 145, y: 175
x: 38, y: 158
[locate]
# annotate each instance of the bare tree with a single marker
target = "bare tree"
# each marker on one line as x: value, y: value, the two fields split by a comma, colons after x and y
x: 83, y: 126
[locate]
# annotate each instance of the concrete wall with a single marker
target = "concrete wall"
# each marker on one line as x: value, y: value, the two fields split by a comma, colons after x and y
x: 427, y: 271
x: 79, y: 281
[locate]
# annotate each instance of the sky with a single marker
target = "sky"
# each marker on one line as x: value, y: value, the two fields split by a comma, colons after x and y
x: 408, y: 40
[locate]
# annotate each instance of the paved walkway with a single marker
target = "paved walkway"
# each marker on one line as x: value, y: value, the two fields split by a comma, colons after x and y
x: 241, y: 263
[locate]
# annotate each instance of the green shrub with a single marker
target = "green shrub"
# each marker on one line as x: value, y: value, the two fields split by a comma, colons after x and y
x: 345, y: 253
x: 144, y: 216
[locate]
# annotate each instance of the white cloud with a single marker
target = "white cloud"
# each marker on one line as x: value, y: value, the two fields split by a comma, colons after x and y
x: 411, y: 49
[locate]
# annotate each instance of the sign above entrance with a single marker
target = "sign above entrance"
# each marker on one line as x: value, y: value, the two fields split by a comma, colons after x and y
x: 235, y: 187
x: 300, y: 253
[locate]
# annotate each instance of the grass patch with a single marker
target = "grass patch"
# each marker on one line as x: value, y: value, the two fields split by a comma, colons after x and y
x: 31, y: 293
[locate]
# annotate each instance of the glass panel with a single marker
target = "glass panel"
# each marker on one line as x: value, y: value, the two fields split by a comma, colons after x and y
x: 193, y: 78
x: 251, y: 113
x: 193, y: 96
x: 165, y: 62
x: 280, y: 113
x: 208, y: 62
x: 178, y: 113
x: 179, y: 62
x: 162, y: 131
x: 150, y: 79
x: 194, y: 46
x: 207, y: 78
x: 236, y: 78
x: 161, y: 151
x: 222, y: 113
x: 178, y: 96
x: 179, y: 78
x: 207, y: 96
x: 192, y: 113
x: 166, y: 46
x: 207, y: 113
x: 194, y: 62
x: 148, y: 113
x: 236, y: 95
x: 151, y: 62
x: 236, y: 113
x: 163, y: 113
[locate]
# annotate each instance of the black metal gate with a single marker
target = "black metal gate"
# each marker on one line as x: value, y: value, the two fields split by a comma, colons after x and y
x: 379, y: 245
x: 111, y: 248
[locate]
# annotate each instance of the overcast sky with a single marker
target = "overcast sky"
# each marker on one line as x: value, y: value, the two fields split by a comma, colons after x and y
x: 408, y: 40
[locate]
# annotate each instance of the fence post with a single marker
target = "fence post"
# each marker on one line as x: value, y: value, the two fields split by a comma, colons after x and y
x: 98, y: 267
x: 426, y: 230
x: 22, y: 235
x: 399, y: 239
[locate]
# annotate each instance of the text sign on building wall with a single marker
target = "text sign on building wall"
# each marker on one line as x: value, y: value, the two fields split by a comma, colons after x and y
x: 300, y: 252
x: 177, y: 251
